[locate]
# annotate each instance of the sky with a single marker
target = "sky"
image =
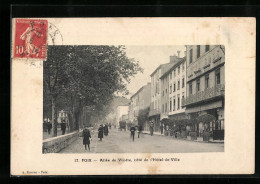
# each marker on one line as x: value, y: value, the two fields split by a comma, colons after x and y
x: 149, y: 57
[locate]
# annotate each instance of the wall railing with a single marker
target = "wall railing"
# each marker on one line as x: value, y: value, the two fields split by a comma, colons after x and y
x: 218, y: 90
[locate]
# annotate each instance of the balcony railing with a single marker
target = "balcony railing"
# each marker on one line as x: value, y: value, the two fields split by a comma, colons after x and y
x: 218, y: 90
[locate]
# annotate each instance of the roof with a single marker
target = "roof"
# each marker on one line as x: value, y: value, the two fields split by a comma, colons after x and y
x: 173, y: 66
x: 140, y: 90
x: 163, y: 66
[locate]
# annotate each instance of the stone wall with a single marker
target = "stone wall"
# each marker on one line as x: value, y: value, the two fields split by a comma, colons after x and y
x: 55, y: 144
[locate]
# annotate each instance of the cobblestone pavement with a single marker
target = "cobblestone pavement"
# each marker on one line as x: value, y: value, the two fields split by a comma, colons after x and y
x: 120, y: 142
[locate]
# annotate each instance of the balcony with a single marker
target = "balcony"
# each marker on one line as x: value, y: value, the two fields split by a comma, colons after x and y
x: 216, y: 91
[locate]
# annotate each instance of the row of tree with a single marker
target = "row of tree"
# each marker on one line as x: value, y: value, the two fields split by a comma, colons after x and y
x: 82, y: 80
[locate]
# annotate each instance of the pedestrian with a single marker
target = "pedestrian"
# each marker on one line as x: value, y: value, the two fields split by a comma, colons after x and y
x: 63, y: 127
x: 132, y: 129
x: 151, y: 128
x: 100, y: 132
x: 140, y: 129
x: 161, y: 127
x: 49, y: 126
x: 86, y: 138
x: 167, y: 129
x: 106, y: 130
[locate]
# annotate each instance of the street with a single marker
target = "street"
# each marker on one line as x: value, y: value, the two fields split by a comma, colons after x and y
x: 120, y: 142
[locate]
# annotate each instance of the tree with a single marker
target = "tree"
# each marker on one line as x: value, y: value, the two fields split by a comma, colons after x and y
x: 143, y: 116
x: 86, y: 76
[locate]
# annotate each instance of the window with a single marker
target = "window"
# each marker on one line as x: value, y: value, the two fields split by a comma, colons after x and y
x: 190, y: 88
x: 170, y: 89
x: 207, y: 48
x: 163, y: 93
x: 178, y: 85
x: 170, y: 104
x: 178, y: 102
x: 198, y: 84
x: 178, y: 70
x: 183, y: 83
x: 191, y: 56
x: 198, y: 51
x: 217, y: 73
x: 206, y: 81
x: 166, y: 91
x: 174, y: 104
x: 166, y: 107
x: 173, y: 87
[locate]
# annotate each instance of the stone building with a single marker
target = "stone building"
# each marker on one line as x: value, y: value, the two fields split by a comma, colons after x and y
x: 206, y: 86
x: 120, y: 111
x: 174, y: 90
x: 156, y: 92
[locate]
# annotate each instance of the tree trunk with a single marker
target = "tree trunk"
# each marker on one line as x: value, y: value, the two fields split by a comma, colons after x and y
x: 53, y: 115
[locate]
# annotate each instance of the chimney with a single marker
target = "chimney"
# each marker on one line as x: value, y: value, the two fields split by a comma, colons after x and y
x: 185, y: 53
x: 178, y: 53
x: 173, y: 58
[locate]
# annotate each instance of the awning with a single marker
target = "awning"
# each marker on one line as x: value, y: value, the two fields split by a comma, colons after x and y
x: 207, y: 106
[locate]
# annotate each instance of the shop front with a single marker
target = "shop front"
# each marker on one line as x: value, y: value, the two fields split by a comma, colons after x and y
x: 209, y: 121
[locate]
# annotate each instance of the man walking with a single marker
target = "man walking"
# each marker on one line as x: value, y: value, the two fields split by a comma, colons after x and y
x: 100, y: 132
x: 86, y: 136
x: 161, y: 127
x: 49, y: 126
x: 132, y: 129
x: 63, y: 127
x: 151, y: 128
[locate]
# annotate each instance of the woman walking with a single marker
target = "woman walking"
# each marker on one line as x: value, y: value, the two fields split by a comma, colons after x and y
x: 86, y: 136
x: 100, y: 132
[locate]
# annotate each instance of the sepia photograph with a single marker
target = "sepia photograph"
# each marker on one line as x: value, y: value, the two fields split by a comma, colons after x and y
x: 134, y: 99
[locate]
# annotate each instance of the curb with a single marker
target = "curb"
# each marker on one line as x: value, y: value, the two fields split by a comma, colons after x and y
x: 186, y: 139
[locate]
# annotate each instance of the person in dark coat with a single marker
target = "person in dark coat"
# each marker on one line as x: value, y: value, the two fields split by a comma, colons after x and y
x: 132, y: 129
x: 86, y: 136
x: 161, y: 127
x: 100, y: 132
x: 151, y: 128
x: 63, y: 127
x: 140, y: 129
x: 49, y: 125
x: 105, y: 130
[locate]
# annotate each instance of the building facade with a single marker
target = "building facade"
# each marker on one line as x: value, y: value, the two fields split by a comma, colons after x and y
x: 159, y: 93
x: 175, y: 82
x: 120, y: 111
x: 62, y: 116
x: 205, y: 86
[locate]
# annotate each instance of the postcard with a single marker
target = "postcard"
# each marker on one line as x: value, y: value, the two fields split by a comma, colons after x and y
x: 133, y: 96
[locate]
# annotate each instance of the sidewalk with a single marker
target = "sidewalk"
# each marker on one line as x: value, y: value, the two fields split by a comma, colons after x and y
x: 155, y: 133
x: 211, y: 141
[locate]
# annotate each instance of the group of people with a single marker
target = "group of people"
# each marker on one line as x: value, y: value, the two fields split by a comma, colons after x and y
x: 47, y: 126
x: 102, y: 130
x: 133, y: 129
